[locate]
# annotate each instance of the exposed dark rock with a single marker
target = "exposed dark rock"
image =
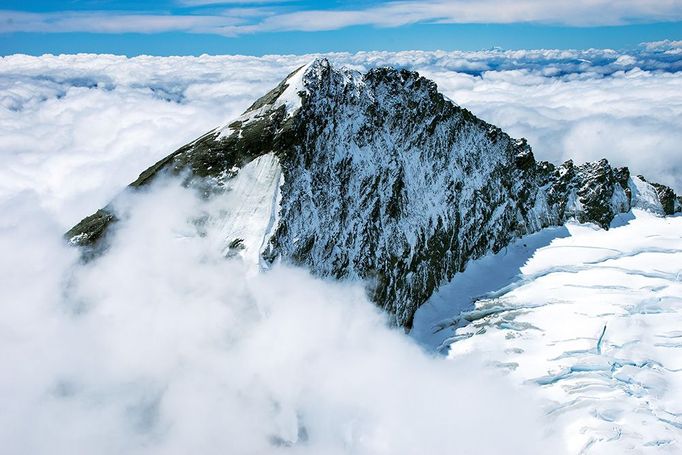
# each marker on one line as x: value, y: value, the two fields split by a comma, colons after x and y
x: 667, y: 197
x: 388, y: 181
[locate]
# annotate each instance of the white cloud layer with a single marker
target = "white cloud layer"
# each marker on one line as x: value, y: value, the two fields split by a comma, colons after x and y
x: 76, y: 129
x: 163, y: 347
x: 380, y: 14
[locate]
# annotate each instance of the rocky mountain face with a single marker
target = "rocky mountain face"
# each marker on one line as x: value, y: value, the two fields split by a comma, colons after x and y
x: 379, y: 177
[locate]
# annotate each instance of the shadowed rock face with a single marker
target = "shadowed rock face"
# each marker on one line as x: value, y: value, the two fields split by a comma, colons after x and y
x: 386, y: 180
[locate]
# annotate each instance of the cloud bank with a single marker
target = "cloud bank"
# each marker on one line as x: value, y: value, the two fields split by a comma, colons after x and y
x: 163, y: 346
x: 77, y: 128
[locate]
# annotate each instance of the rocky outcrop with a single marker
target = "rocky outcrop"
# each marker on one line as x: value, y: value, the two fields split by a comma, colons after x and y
x: 384, y: 179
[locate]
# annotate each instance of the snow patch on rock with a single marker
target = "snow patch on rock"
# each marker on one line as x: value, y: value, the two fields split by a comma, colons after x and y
x: 248, y: 209
x: 644, y: 195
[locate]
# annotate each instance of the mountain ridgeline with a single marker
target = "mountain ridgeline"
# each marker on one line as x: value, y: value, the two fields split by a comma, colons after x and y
x: 379, y: 177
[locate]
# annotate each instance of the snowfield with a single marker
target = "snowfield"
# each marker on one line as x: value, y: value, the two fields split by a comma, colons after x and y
x: 592, y: 322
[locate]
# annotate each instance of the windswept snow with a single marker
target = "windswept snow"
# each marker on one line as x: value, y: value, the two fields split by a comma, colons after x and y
x: 250, y: 208
x: 592, y: 322
x: 644, y: 196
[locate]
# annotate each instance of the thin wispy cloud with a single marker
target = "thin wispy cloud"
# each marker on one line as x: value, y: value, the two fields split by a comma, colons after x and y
x: 112, y: 22
x: 232, y: 22
x: 394, y: 14
x: 229, y: 2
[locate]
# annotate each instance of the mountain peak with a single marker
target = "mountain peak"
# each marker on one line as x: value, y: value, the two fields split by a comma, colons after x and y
x: 379, y: 177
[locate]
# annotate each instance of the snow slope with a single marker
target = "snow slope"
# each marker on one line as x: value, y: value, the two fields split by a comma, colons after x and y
x: 250, y: 209
x: 592, y: 322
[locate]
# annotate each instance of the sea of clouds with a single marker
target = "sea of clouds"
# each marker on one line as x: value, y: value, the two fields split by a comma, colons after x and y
x: 162, y: 346
x: 77, y: 128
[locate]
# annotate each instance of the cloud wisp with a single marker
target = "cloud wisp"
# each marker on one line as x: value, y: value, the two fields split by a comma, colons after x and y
x: 190, y: 3
x: 276, y: 17
x: 112, y: 22
x: 395, y: 14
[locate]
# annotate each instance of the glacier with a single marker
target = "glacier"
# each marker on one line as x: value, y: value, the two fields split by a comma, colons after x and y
x: 589, y: 319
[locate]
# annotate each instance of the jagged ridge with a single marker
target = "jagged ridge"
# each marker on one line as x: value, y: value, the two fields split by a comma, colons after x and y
x: 386, y: 180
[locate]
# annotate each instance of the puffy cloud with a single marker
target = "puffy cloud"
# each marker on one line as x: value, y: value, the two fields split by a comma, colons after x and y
x: 163, y: 346
x: 665, y: 45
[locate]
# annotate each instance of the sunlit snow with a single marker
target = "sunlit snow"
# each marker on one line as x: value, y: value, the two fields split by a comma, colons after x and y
x: 590, y: 319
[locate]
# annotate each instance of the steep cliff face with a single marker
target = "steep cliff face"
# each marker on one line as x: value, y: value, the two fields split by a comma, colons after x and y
x: 379, y: 177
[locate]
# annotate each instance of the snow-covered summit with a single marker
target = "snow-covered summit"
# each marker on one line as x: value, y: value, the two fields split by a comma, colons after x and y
x: 379, y: 177
x: 287, y: 96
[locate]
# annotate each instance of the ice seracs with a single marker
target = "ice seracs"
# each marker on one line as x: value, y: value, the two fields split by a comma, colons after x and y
x: 591, y: 322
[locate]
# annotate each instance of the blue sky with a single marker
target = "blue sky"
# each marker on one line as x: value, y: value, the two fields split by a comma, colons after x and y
x: 257, y: 27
